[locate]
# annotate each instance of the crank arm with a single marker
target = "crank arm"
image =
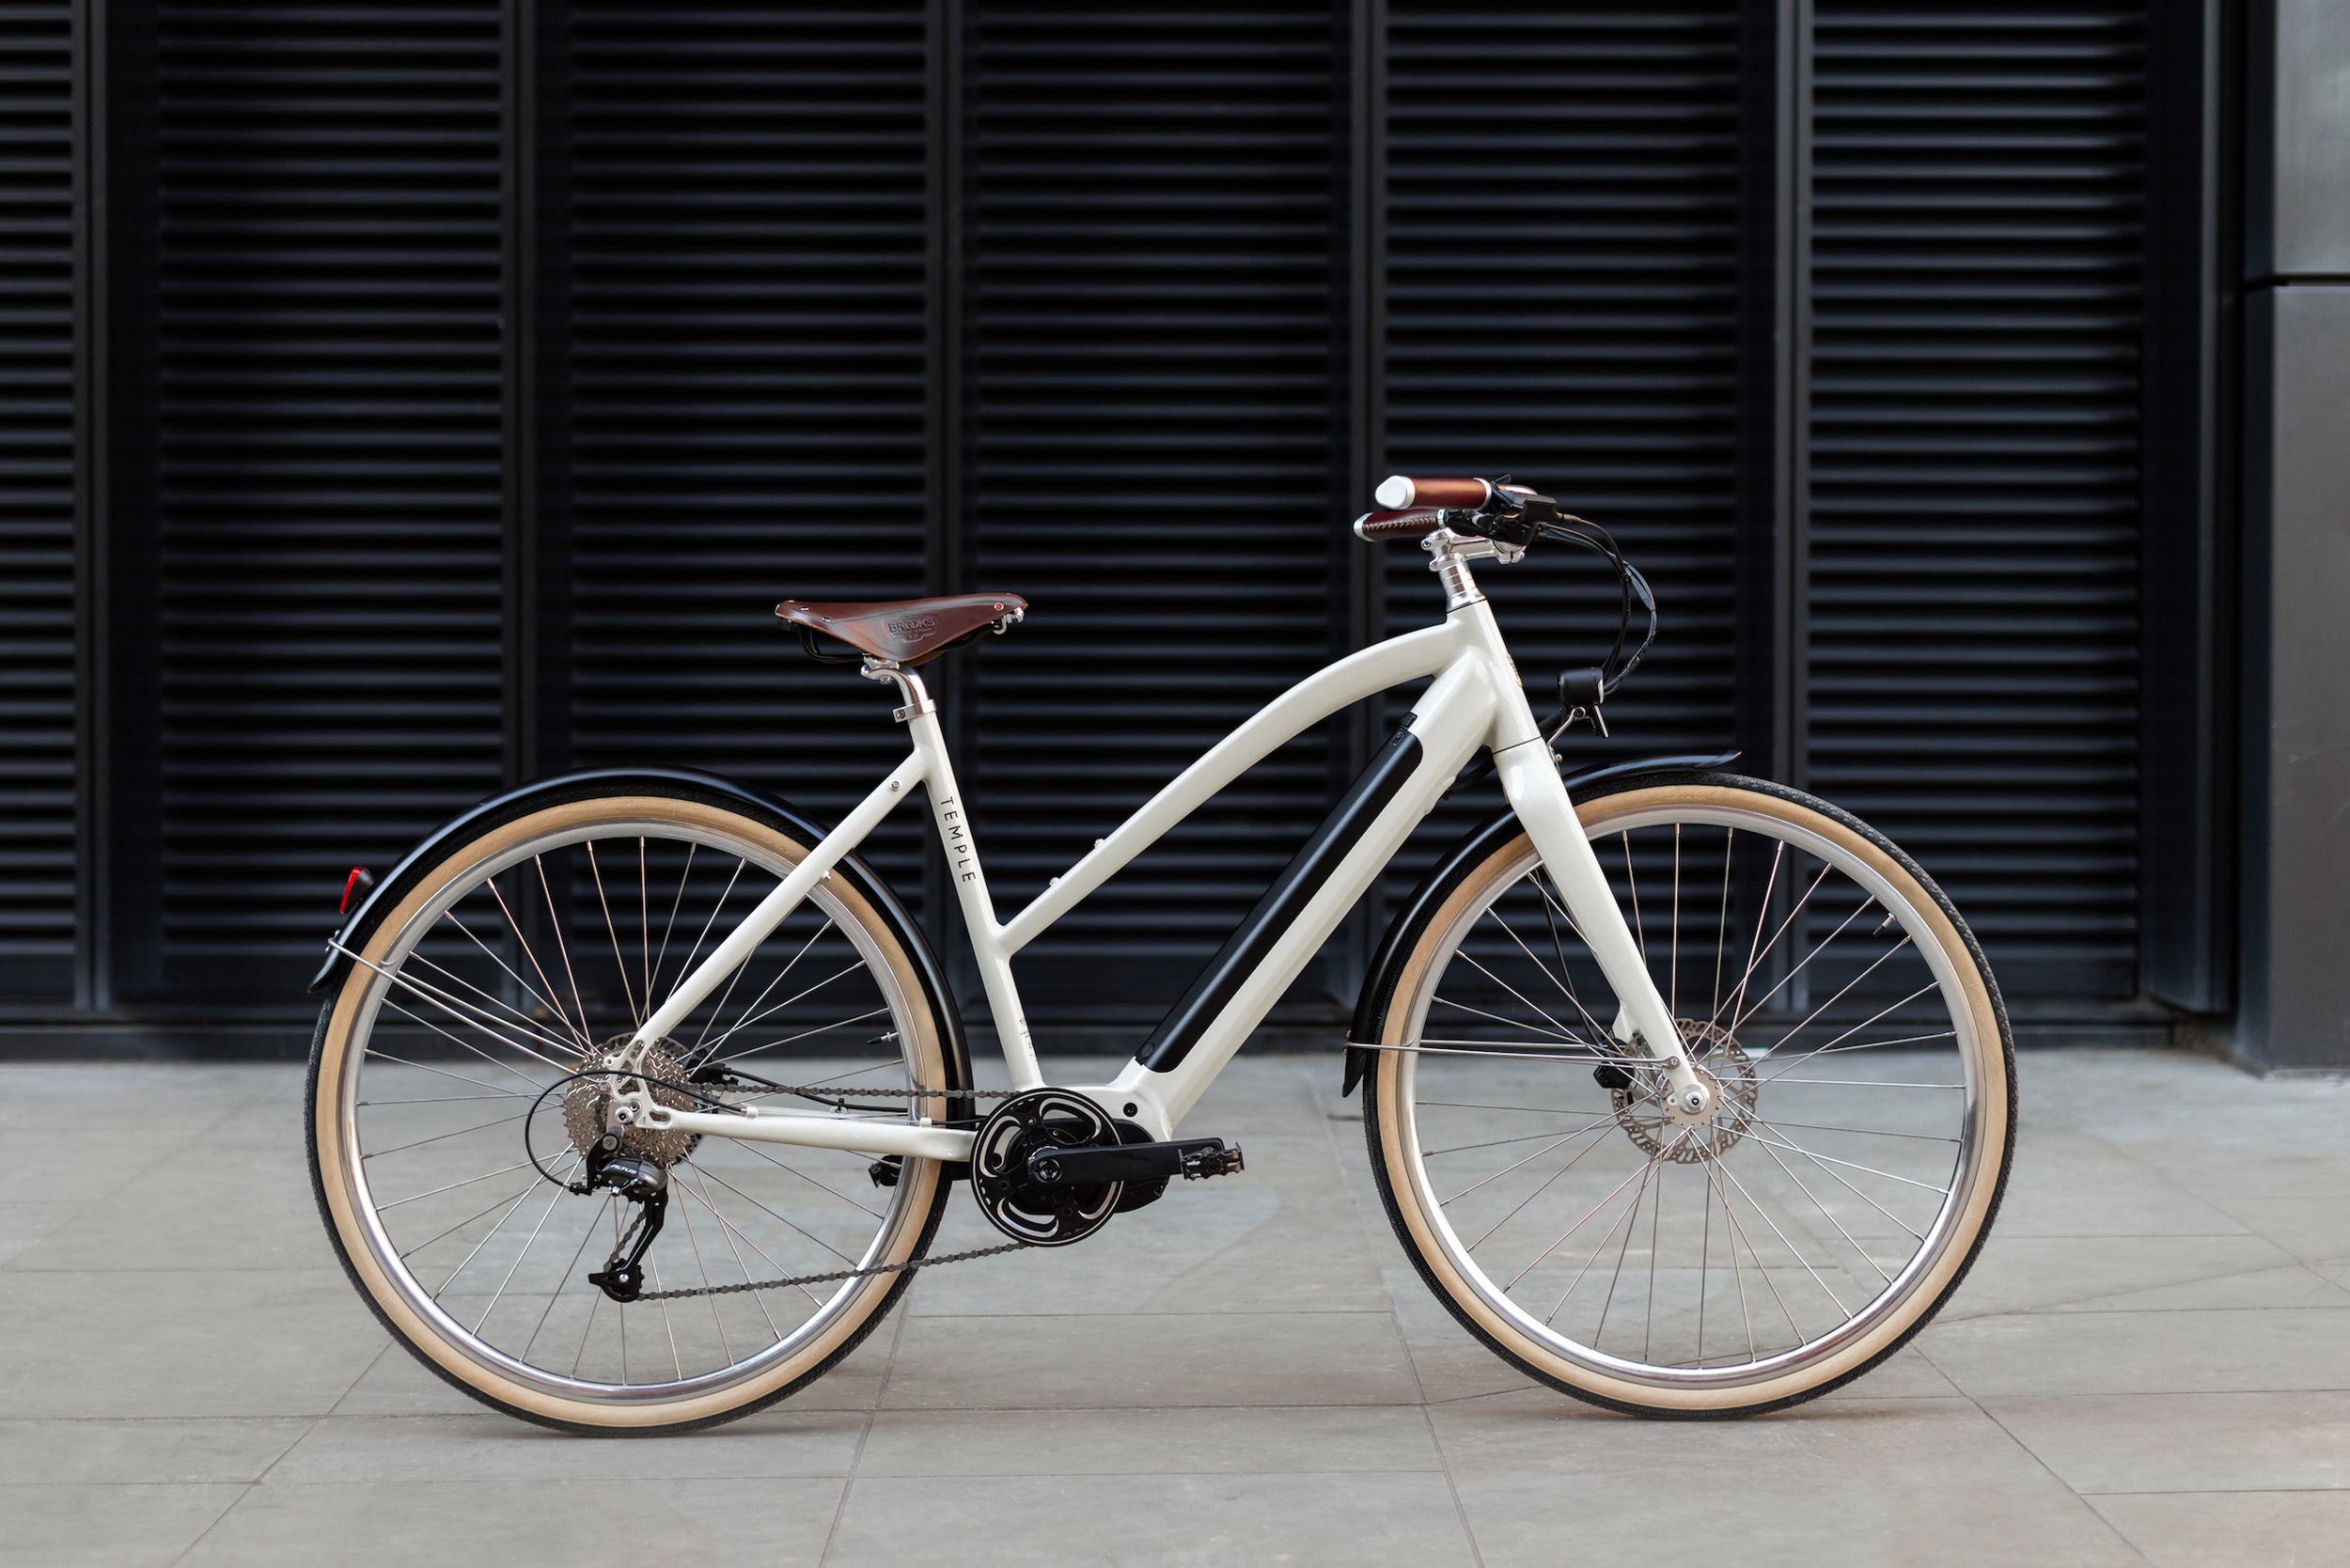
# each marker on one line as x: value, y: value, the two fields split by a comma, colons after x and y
x: 1192, y: 1158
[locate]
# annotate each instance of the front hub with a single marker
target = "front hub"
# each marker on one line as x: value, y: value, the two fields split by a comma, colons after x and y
x: 1647, y: 1109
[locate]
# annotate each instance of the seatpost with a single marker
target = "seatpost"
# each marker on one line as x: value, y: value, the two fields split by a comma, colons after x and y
x: 909, y: 686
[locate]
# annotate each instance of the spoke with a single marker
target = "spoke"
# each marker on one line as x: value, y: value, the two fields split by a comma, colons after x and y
x: 628, y: 992
x: 685, y: 1213
x: 677, y: 1365
x: 477, y: 1083
x: 1578, y: 1224
x: 1810, y: 1154
x: 1559, y: 946
x: 644, y: 919
x: 1737, y: 1275
x: 663, y: 956
x: 761, y: 996
x: 556, y: 923
x: 1798, y: 1060
x: 1866, y: 901
x: 595, y: 1299
x: 1731, y: 1176
x: 1721, y: 932
x: 537, y: 1030
x: 436, y: 1138
x: 703, y: 935
x: 436, y: 1099
x: 1754, y: 948
x: 518, y: 1165
x: 1870, y: 1083
x: 1513, y: 1023
x: 454, y: 1006
x: 464, y: 1262
x: 1705, y: 1267
x: 1740, y: 1014
x: 1538, y: 1191
x: 1655, y: 1212
x: 1563, y: 1031
x: 1829, y: 1213
x: 711, y: 1050
x: 407, y: 1252
x: 531, y: 953
x: 1672, y: 984
x: 1495, y: 1143
x: 585, y: 1236
x: 1531, y: 1110
x: 1633, y: 885
x: 1865, y: 1132
x: 1898, y: 1221
x: 536, y: 1087
x: 732, y: 1230
x: 528, y: 1242
x: 1631, y: 1223
x: 793, y: 1038
x: 1558, y: 1141
x: 745, y: 1143
x: 709, y: 1175
x: 1557, y: 979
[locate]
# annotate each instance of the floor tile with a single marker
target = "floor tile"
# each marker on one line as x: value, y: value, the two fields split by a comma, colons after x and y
x: 2144, y: 1352
x: 604, y: 1515
x: 124, y: 1451
x: 777, y: 1441
x: 247, y: 1342
x: 1887, y: 1481
x: 2233, y: 1529
x: 2185, y: 1442
x: 1147, y: 1442
x: 2021, y: 1274
x: 1200, y: 1360
x: 1231, y: 1521
x: 65, y: 1526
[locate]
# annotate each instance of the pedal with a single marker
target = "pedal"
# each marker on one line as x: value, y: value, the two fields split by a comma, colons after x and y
x: 1192, y: 1158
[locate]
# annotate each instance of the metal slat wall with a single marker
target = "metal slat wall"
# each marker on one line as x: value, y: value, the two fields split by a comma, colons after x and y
x: 1974, y: 482
x: 1150, y: 403
x: 330, y: 426
x: 748, y: 299
x: 1561, y: 272
x: 36, y: 501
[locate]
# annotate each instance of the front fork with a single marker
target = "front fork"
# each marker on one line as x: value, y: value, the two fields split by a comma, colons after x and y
x: 1538, y: 796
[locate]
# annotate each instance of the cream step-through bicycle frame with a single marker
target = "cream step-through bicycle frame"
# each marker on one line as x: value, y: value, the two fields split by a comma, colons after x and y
x: 1475, y: 700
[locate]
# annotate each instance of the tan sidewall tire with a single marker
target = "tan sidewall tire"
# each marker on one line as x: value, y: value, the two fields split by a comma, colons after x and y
x: 332, y: 1058
x: 1993, y: 1063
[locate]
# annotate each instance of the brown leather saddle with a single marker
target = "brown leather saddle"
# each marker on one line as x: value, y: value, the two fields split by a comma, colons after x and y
x: 906, y: 632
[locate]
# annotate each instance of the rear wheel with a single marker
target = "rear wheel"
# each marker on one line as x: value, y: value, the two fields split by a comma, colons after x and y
x: 446, y: 1117
x: 1829, y: 992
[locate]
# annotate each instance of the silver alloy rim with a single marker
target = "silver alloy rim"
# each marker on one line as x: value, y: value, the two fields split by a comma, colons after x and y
x: 1896, y: 1294
x: 897, y: 1217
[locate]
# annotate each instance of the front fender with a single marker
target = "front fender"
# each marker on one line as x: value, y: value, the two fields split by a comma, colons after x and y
x: 387, y: 893
x: 1370, y: 1005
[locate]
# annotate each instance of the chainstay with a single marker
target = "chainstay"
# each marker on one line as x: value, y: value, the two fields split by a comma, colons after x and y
x: 907, y: 1266
x: 812, y: 1092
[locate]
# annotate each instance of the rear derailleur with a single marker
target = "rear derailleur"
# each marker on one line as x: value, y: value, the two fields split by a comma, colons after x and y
x: 644, y: 1183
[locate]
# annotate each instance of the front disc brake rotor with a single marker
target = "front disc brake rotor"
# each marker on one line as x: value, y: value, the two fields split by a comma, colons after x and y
x: 1727, y: 1071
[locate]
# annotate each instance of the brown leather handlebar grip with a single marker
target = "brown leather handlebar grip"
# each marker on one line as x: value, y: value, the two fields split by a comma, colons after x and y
x: 1376, y: 527
x: 1401, y: 491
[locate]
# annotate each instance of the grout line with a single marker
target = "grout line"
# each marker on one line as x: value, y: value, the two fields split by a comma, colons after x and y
x: 206, y: 1533
x: 2094, y: 1511
x: 856, y: 1457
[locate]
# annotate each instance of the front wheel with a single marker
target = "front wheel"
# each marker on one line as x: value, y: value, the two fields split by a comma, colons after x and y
x: 1832, y: 996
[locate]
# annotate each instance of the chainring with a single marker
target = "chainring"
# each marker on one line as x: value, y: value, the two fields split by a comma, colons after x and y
x: 1020, y: 1208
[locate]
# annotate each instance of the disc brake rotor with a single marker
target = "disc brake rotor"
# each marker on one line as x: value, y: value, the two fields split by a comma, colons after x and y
x: 1726, y: 1070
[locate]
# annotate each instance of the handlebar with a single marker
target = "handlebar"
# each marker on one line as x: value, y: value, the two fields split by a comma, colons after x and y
x: 1400, y: 492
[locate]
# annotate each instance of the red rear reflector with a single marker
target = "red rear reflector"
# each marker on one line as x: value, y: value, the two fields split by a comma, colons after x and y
x: 357, y: 882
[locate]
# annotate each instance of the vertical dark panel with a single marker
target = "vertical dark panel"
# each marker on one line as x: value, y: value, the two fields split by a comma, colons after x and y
x: 748, y: 304
x: 37, y: 500
x: 331, y: 476
x: 1974, y: 470
x: 1150, y: 259
x: 1563, y: 188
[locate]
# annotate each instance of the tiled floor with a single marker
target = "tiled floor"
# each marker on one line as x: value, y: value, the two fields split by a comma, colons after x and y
x: 2151, y: 1364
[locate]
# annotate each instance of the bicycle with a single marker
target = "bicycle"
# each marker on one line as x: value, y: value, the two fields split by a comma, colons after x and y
x: 722, y: 1066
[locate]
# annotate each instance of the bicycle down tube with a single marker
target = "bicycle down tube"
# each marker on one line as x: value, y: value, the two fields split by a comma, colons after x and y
x: 1474, y: 699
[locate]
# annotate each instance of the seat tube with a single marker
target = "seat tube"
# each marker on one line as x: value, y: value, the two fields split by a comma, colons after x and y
x: 978, y: 909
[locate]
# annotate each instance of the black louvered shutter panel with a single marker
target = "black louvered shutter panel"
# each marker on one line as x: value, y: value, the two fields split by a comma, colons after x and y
x: 330, y: 428
x: 1974, y: 467
x: 1561, y: 304
x: 36, y: 500
x: 748, y: 304
x: 1149, y: 292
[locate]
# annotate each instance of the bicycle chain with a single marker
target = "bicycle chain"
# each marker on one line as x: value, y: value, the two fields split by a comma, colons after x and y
x: 811, y: 1091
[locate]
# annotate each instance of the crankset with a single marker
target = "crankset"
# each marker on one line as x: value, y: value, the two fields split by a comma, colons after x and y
x: 1050, y: 1168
